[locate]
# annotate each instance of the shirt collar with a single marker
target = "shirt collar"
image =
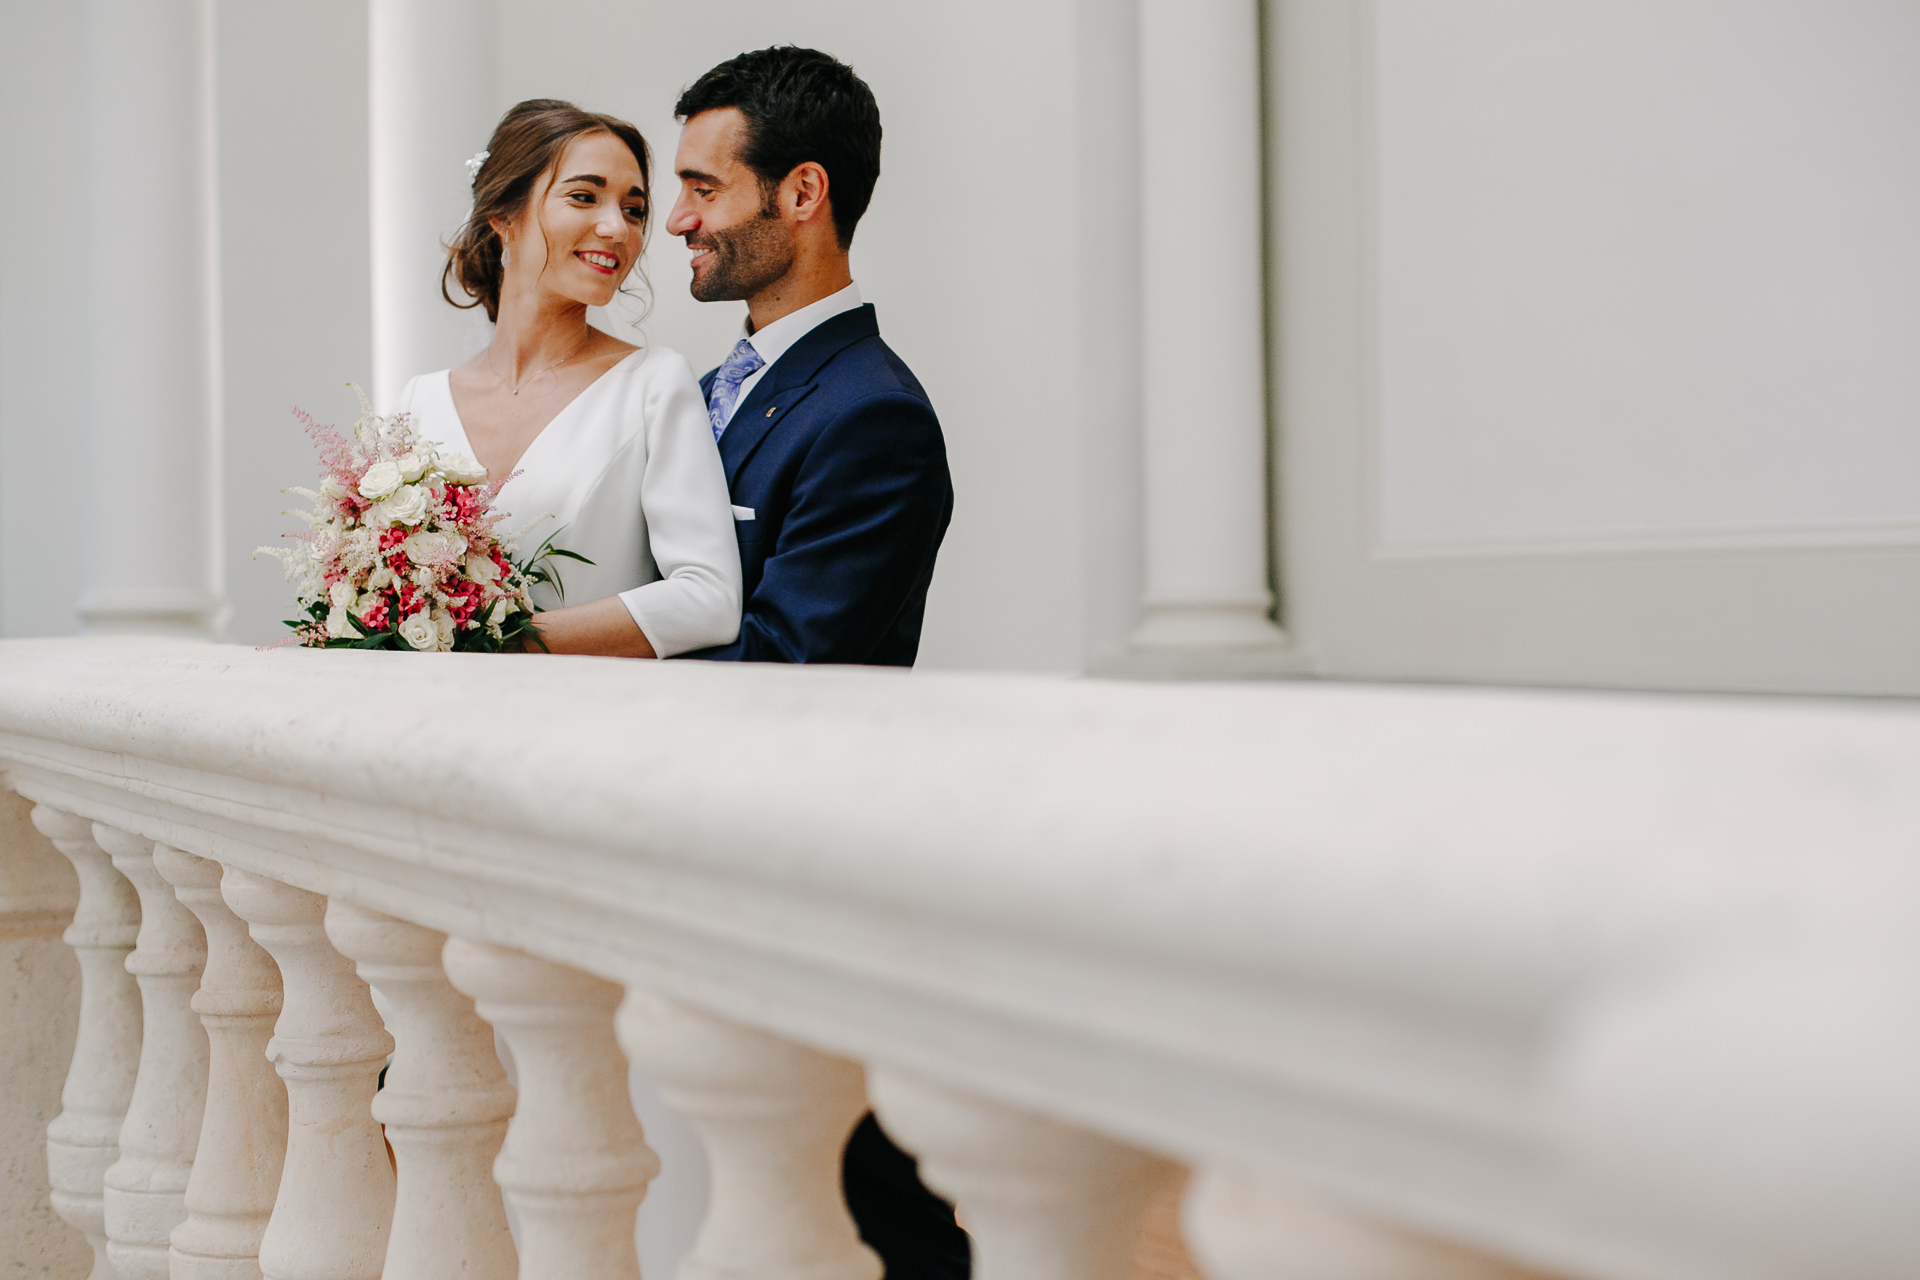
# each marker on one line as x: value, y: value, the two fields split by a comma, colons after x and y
x: 772, y: 342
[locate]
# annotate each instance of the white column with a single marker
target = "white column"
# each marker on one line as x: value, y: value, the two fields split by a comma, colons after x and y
x: 1243, y: 1226
x: 39, y: 1009
x: 84, y: 1142
x: 1042, y: 1200
x: 1204, y: 345
x: 151, y: 394
x: 431, y: 76
x: 146, y: 1189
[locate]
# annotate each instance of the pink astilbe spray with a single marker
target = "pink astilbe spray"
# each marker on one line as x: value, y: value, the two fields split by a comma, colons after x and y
x: 341, y: 459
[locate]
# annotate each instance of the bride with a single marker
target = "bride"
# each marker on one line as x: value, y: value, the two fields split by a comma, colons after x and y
x: 610, y: 440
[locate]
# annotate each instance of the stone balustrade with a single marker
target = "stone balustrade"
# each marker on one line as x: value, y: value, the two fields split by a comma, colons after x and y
x: 1417, y: 984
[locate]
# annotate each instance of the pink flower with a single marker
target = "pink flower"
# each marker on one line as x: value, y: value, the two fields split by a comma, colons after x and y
x: 465, y: 504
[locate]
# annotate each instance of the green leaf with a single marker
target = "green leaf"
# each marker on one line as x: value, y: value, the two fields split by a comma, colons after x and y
x: 536, y: 570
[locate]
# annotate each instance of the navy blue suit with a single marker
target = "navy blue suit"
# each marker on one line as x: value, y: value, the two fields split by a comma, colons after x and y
x: 838, y: 452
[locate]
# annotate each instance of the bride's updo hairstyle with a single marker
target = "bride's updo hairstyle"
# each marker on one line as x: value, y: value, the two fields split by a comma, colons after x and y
x: 525, y: 147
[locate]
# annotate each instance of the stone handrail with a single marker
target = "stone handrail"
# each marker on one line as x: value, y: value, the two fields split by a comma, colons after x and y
x: 1420, y: 983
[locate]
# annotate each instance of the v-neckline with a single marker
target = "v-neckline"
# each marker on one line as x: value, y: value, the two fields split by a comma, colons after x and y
x: 520, y: 463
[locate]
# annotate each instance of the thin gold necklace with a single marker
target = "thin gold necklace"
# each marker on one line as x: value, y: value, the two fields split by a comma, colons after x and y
x: 513, y: 388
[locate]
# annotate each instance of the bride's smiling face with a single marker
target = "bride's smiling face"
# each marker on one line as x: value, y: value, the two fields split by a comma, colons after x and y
x: 581, y: 235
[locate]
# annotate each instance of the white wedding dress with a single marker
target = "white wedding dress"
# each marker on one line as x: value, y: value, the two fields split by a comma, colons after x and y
x: 628, y: 476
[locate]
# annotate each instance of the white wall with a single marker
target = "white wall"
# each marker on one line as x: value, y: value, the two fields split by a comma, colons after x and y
x: 43, y: 309
x: 296, y: 289
x: 1594, y: 360
x: 1647, y: 268
x: 291, y: 94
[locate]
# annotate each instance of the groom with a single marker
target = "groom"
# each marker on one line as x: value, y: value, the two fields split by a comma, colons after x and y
x: 832, y: 451
x: 831, y: 448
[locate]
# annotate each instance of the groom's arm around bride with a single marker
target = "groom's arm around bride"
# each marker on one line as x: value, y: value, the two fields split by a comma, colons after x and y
x: 833, y: 455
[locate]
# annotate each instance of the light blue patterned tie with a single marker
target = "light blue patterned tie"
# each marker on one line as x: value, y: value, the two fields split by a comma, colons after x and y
x: 738, y: 367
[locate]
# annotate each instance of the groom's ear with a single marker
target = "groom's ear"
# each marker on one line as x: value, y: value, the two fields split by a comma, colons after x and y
x: 804, y: 193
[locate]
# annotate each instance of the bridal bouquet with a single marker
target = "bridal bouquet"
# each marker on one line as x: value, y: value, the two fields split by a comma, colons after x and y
x: 401, y: 551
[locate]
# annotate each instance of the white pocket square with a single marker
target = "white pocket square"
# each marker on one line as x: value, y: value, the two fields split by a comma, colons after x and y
x: 743, y: 513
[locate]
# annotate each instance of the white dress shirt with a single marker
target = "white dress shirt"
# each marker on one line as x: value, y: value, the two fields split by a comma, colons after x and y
x: 626, y: 475
x: 773, y: 341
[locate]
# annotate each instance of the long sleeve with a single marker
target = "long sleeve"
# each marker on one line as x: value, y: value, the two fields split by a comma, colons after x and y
x: 683, y: 492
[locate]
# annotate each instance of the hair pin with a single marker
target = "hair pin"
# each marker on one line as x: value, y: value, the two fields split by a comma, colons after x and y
x: 474, y: 162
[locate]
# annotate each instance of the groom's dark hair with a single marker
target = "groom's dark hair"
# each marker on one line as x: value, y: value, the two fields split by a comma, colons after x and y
x: 800, y: 105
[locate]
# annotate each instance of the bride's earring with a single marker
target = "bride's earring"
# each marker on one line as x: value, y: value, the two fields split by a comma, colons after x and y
x: 506, y: 255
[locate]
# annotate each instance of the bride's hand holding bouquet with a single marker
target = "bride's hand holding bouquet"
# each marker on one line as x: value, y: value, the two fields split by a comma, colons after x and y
x: 401, y: 550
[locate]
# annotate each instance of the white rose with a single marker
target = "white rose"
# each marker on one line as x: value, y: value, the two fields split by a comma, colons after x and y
x: 380, y: 579
x: 483, y: 570
x: 503, y: 608
x: 462, y: 468
x: 382, y: 478
x: 420, y: 633
x: 341, y: 594
x: 414, y: 462
x: 430, y: 548
x: 338, y: 628
x: 443, y: 624
x: 407, y: 506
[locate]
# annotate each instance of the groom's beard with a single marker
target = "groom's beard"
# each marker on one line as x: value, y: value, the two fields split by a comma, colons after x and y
x: 746, y: 259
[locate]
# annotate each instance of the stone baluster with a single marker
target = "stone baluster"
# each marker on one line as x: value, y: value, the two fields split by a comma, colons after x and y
x: 1042, y: 1200
x: 575, y: 1164
x: 243, y: 1138
x: 775, y: 1117
x: 39, y: 1011
x: 1243, y: 1226
x: 445, y: 1104
x: 84, y: 1142
x: 335, y: 1202
x: 146, y: 1188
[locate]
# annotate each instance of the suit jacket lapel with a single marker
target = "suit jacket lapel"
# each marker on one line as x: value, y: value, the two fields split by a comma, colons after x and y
x: 787, y: 382
x: 750, y: 425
